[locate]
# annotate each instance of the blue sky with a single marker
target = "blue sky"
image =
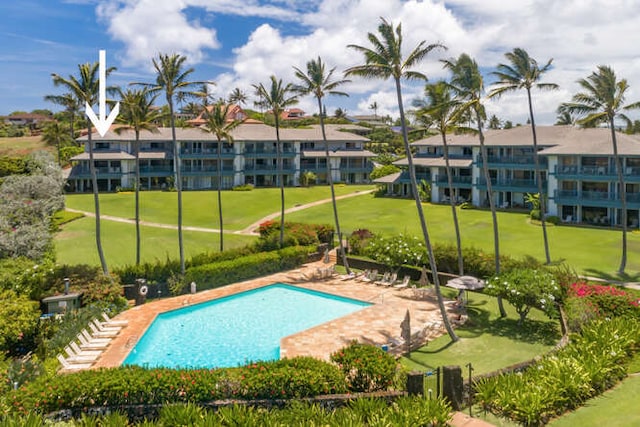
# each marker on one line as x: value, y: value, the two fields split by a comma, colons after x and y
x: 237, y: 44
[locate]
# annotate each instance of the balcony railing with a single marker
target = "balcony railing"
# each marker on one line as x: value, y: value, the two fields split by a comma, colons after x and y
x: 576, y: 196
x: 442, y: 179
x: 511, y: 183
x: 523, y: 160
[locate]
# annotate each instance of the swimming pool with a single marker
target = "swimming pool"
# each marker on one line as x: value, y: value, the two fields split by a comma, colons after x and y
x: 236, y: 329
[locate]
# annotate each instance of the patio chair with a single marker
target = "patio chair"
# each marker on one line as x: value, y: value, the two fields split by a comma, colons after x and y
x: 95, y: 332
x: 391, y: 279
x: 405, y: 282
x: 86, y: 352
x: 86, y: 344
x: 90, y: 338
x: 73, y: 357
x: 373, y: 275
x: 71, y: 366
x: 109, y: 322
x: 103, y: 328
x: 364, y: 275
x: 384, y: 279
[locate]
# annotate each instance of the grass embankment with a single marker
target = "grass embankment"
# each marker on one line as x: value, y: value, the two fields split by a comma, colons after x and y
x: 22, y: 145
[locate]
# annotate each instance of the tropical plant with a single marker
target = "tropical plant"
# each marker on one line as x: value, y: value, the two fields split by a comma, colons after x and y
x: 602, y: 100
x: 137, y: 114
x: 71, y: 105
x: 172, y: 79
x: 276, y: 98
x: 382, y: 61
x: 219, y: 124
x: 374, y: 107
x: 55, y: 134
x: 86, y: 89
x: 319, y: 82
x: 442, y: 110
x: 367, y: 368
x: 523, y: 72
x: 467, y: 83
x: 237, y: 96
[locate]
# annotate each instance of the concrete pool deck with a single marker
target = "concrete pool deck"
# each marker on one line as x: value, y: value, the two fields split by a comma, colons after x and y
x: 378, y: 324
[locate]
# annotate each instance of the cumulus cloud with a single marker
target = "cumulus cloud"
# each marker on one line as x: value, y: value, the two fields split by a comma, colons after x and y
x: 577, y: 34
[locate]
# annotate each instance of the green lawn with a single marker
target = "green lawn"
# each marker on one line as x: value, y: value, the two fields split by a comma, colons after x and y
x: 22, y: 145
x: 200, y: 208
x: 76, y: 244
x: 485, y: 337
x: 591, y: 251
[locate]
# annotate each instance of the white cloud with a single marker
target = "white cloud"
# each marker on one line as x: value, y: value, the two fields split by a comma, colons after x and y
x: 578, y: 34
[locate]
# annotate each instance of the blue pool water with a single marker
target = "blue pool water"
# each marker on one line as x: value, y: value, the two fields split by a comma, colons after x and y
x: 234, y: 330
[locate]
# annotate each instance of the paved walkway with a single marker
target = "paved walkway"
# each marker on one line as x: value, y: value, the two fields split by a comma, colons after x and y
x: 250, y: 230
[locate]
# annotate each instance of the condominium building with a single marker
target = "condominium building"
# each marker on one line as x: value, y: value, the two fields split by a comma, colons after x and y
x: 576, y: 166
x: 250, y: 159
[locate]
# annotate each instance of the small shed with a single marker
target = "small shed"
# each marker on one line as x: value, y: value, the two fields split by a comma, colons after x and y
x: 62, y: 303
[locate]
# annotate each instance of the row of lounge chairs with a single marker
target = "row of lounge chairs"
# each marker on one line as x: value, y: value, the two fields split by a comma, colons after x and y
x: 88, y: 348
x: 388, y: 279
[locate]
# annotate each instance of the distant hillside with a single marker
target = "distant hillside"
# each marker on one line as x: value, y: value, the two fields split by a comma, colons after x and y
x: 23, y: 145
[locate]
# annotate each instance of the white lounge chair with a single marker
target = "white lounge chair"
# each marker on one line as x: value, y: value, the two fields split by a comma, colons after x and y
x: 405, y: 282
x: 86, y: 352
x: 93, y: 339
x: 70, y: 366
x: 103, y: 328
x: 391, y: 279
x: 74, y: 358
x: 111, y: 322
x: 86, y: 344
x: 384, y: 280
x: 101, y: 334
x: 373, y: 276
x: 364, y: 275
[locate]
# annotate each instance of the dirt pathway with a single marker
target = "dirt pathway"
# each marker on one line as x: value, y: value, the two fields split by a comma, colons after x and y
x: 249, y: 231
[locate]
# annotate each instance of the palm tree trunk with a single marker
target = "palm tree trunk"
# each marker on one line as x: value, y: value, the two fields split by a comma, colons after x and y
x: 219, y: 167
x: 280, y: 178
x: 536, y: 162
x: 454, y: 213
x: 137, y: 184
x: 492, y: 206
x: 623, y: 197
x: 423, y: 223
x: 96, y: 202
x: 333, y: 193
x: 178, y: 182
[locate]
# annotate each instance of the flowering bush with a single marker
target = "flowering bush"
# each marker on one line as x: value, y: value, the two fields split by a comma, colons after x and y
x: 397, y: 251
x: 358, y: 240
x: 526, y: 289
x: 606, y: 300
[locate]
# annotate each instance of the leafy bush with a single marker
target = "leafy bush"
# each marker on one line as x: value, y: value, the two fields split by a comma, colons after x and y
x: 308, y: 178
x: 526, y: 289
x: 553, y: 219
x: 397, y: 251
x: 288, y: 378
x: 18, y: 322
x: 359, y: 240
x: 606, y: 300
x: 366, y: 367
x: 243, y: 187
x: 535, y: 214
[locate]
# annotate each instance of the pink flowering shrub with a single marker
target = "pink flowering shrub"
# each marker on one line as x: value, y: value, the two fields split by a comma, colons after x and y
x: 587, y: 302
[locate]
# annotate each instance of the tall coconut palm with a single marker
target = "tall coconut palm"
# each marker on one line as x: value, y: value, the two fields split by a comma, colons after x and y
x: 237, y: 96
x: 276, y: 98
x: 71, y: 107
x: 443, y: 112
x: 85, y: 88
x: 319, y: 82
x: 602, y: 100
x: 384, y: 60
x: 218, y: 125
x: 172, y: 79
x: 137, y: 114
x: 467, y: 83
x: 523, y: 72
x: 55, y: 133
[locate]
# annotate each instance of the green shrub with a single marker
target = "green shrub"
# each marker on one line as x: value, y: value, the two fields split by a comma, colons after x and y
x: 553, y: 219
x: 358, y: 240
x: 366, y: 367
x: 243, y: 187
x: 535, y: 214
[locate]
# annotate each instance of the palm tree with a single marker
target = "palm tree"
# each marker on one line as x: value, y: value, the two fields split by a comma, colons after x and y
x: 494, y: 122
x: 172, y: 78
x: 467, y: 84
x: 276, y: 98
x: 564, y: 118
x: 382, y: 61
x: 237, y: 96
x: 602, y: 100
x: 218, y: 125
x: 374, y: 107
x: 86, y: 89
x: 56, y: 134
x: 137, y: 114
x: 523, y: 72
x: 319, y: 82
x: 71, y: 106
x: 442, y: 109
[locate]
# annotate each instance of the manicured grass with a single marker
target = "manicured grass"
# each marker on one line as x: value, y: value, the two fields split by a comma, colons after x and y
x: 22, y: 145
x: 76, y: 244
x: 616, y: 407
x: 200, y: 208
x: 590, y: 251
x: 485, y: 338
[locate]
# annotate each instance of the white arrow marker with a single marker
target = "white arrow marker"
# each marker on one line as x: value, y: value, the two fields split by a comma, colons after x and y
x: 103, y: 123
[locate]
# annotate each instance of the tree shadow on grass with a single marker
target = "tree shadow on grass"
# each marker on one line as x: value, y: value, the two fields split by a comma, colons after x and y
x: 615, y: 278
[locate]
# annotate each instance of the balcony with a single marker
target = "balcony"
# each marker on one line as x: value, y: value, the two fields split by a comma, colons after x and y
x: 518, y: 185
x: 268, y: 153
x: 206, y: 153
x: 458, y: 181
x: 205, y: 170
x: 156, y: 171
x: 101, y: 172
x: 513, y: 162
x: 596, y: 198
